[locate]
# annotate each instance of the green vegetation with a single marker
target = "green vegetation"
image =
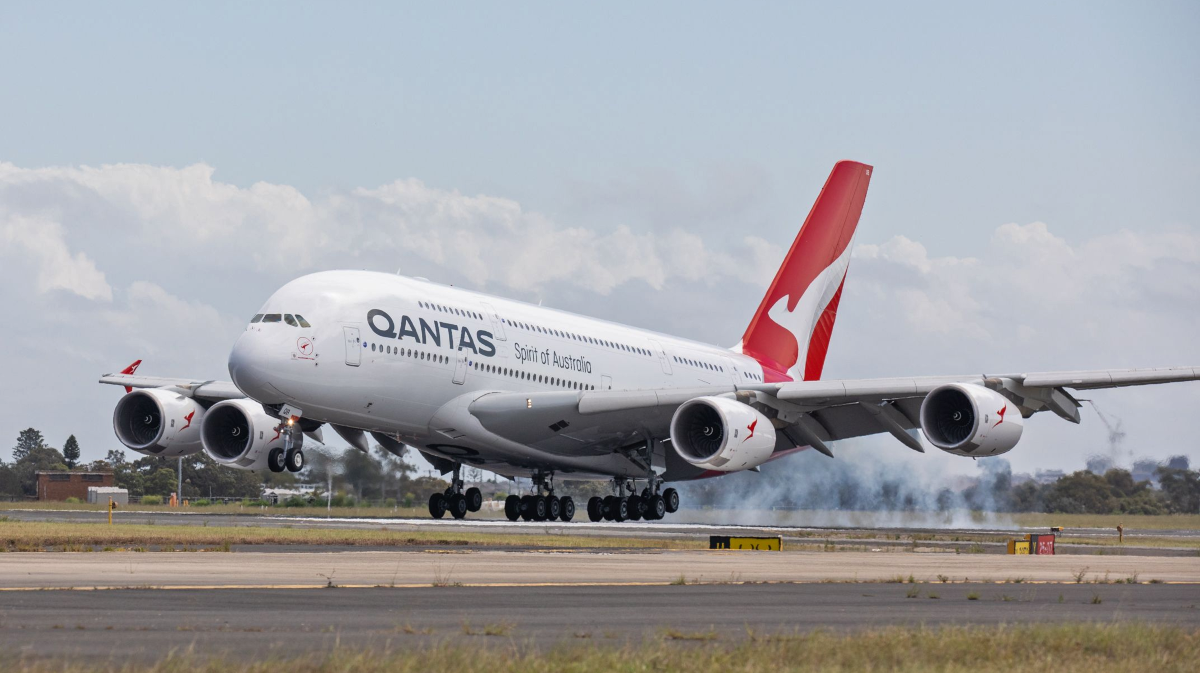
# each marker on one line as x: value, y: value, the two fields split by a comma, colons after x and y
x: 39, y: 536
x: 1069, y: 648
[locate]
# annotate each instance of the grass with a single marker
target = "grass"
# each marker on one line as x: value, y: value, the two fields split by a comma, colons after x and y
x: 1066, y: 648
x: 40, y: 536
x: 316, y: 511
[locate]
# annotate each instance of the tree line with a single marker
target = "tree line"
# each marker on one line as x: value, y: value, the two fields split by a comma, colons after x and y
x: 380, y: 476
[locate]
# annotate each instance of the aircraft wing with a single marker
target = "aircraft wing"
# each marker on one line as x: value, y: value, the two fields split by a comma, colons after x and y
x: 806, y: 412
x: 213, y: 391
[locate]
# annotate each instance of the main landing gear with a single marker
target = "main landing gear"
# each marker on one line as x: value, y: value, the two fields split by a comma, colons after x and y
x: 539, y: 507
x: 289, y: 457
x: 649, y: 504
x: 454, y: 500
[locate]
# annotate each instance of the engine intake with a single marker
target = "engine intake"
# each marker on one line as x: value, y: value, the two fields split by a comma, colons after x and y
x: 970, y: 420
x: 717, y: 433
x: 158, y: 422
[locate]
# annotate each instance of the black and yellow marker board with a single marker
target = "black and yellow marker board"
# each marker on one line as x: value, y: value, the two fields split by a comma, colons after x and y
x: 749, y: 543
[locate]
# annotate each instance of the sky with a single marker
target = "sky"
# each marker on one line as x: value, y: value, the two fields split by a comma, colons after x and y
x: 163, y: 169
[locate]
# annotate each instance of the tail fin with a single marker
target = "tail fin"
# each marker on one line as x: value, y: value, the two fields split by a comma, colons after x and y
x: 790, y: 332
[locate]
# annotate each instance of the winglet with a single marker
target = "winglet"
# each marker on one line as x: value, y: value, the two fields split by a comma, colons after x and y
x: 129, y: 370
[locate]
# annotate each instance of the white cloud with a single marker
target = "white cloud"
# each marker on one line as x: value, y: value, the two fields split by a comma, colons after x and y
x: 43, y: 242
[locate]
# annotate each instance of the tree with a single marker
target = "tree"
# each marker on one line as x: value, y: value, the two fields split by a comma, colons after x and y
x: 28, y: 441
x: 1081, y: 493
x: 71, y: 452
x: 1181, y: 489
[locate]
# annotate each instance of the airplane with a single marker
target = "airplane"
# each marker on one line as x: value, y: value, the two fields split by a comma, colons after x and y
x: 527, y: 391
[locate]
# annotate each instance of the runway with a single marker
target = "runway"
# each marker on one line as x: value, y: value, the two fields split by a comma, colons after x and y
x: 38, y: 570
x: 680, y: 527
x: 249, y: 624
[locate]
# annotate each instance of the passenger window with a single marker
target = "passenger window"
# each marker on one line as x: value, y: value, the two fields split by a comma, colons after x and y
x: 303, y: 323
x: 272, y: 317
x: 287, y: 318
x: 256, y: 319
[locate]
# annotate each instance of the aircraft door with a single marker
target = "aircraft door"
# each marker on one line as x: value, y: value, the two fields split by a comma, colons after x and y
x: 605, y: 383
x: 353, y: 346
x: 497, y: 324
x: 460, y: 368
x: 662, y: 357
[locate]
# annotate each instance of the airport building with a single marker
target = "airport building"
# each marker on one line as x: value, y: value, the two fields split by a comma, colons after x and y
x: 60, y: 484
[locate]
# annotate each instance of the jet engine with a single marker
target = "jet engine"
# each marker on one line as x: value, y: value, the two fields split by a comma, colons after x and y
x: 970, y: 420
x: 238, y: 433
x: 717, y: 433
x: 158, y: 422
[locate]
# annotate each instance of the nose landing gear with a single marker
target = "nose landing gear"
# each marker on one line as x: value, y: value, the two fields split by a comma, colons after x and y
x: 289, y: 457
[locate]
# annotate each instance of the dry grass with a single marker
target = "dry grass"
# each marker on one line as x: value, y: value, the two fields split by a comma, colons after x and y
x: 318, y: 511
x: 1070, y: 648
x: 41, y: 536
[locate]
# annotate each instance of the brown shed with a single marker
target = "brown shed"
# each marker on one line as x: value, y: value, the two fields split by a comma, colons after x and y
x: 60, y: 485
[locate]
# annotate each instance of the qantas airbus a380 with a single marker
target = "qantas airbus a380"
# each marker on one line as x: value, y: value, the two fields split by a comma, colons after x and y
x: 528, y: 391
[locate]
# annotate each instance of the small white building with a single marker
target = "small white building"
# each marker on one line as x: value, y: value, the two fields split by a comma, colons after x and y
x: 99, y: 495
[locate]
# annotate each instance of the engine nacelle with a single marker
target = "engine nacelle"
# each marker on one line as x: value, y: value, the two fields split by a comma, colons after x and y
x: 158, y: 422
x: 717, y: 433
x: 970, y: 420
x: 238, y: 433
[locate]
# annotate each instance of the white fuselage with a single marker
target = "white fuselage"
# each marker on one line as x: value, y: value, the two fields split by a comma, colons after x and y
x: 403, y: 357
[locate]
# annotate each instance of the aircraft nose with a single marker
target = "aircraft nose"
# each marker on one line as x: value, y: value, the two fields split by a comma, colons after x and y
x: 249, y: 366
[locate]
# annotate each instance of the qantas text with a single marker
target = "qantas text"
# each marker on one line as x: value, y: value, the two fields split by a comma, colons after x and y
x: 479, y: 343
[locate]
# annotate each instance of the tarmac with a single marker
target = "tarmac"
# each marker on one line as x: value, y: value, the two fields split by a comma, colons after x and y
x: 261, y: 601
x: 250, y: 624
x: 41, y: 570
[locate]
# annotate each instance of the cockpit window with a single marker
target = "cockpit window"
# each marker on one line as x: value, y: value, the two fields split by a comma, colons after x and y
x: 287, y: 318
x: 272, y: 317
x: 303, y: 323
x: 256, y: 319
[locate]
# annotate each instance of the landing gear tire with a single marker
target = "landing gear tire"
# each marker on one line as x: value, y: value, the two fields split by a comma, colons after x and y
x: 457, y: 504
x: 595, y: 509
x: 294, y: 460
x: 276, y: 460
x: 671, y: 498
x: 657, y: 508
x: 635, y: 507
x: 512, y: 507
x: 567, y: 508
x: 553, y: 508
x: 539, y: 507
x: 609, y: 508
x: 526, y: 507
x: 474, y: 499
x: 437, y: 505
x: 620, y: 509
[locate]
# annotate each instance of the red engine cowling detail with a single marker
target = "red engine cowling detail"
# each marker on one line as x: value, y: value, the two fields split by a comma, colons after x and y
x: 717, y: 433
x: 238, y: 433
x: 158, y: 422
x: 970, y: 420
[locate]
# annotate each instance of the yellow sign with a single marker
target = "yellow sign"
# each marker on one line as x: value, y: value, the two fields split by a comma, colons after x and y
x: 1018, y: 546
x: 750, y: 543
